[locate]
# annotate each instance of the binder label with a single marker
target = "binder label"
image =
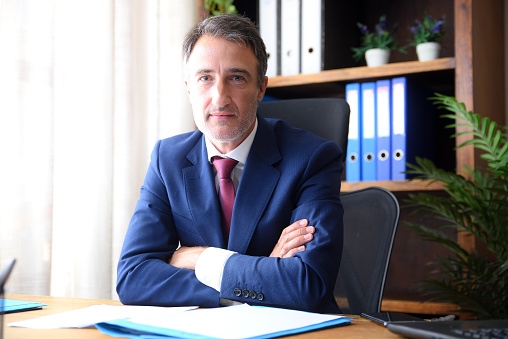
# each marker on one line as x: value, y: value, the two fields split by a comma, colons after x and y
x: 399, y: 109
x: 369, y: 114
x: 383, y: 112
x: 353, y: 101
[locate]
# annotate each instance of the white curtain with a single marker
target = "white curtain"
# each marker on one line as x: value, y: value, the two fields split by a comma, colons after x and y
x: 86, y: 88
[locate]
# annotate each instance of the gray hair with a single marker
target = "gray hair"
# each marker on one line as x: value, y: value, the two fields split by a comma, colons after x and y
x: 231, y: 27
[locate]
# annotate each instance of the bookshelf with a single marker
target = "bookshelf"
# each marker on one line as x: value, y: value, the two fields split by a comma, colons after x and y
x: 364, y: 73
x: 471, y: 68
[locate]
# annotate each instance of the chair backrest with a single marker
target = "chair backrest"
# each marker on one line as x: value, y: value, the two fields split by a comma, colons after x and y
x: 370, y: 215
x: 326, y: 117
x: 370, y: 222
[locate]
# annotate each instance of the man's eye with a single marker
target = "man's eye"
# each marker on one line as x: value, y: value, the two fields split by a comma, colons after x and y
x: 238, y: 78
x: 204, y: 78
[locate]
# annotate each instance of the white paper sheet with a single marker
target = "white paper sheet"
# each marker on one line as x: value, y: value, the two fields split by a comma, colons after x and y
x: 92, y: 315
x: 242, y: 321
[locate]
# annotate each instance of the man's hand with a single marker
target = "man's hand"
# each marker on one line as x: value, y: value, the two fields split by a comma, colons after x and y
x: 293, y: 239
x: 186, y: 257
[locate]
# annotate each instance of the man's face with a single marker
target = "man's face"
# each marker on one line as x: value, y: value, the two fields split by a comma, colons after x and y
x: 221, y: 79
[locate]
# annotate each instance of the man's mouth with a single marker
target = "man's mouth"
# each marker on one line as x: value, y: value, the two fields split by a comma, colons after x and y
x: 222, y: 114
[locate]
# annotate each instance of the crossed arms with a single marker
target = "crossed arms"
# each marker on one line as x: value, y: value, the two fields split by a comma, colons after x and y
x: 292, y: 266
x: 292, y: 240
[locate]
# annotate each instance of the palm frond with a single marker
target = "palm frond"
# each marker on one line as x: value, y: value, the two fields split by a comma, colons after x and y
x: 477, y: 205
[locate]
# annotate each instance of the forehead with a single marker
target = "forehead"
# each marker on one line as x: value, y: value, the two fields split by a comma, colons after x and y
x: 221, y: 52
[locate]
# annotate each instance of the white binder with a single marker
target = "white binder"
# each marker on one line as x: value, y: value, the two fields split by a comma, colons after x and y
x: 290, y: 37
x: 269, y: 30
x: 312, y: 36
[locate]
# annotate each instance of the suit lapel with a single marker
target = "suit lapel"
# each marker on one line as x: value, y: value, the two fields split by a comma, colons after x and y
x: 202, y: 197
x: 257, y: 184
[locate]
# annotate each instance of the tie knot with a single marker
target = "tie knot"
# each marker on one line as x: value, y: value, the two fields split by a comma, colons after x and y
x: 224, y: 166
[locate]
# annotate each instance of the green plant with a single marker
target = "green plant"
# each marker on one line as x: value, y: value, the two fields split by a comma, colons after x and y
x: 380, y: 38
x: 476, y: 204
x: 429, y: 30
x: 216, y: 7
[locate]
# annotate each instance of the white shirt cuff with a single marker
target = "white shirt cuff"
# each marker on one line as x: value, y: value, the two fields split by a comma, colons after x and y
x: 210, y: 266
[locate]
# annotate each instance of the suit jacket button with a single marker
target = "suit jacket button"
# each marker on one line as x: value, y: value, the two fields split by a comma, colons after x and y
x: 260, y: 296
x: 252, y: 294
x: 245, y: 293
x: 237, y: 292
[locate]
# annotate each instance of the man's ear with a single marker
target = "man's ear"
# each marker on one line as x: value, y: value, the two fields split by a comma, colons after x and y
x: 262, y: 89
x: 187, y: 87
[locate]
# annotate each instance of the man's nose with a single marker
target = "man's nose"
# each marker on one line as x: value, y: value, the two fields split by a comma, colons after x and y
x: 221, y: 94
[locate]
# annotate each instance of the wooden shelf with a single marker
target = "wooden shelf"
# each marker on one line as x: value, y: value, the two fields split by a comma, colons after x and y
x: 393, y: 186
x: 363, y: 73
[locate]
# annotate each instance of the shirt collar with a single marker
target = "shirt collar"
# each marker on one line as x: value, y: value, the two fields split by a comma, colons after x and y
x: 240, y: 153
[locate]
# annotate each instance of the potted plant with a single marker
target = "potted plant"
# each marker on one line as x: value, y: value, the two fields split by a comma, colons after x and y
x: 476, y: 281
x: 376, y: 45
x: 427, y: 37
x: 216, y: 7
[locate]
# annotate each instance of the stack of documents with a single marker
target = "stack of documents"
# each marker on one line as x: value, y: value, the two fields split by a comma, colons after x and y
x: 242, y: 321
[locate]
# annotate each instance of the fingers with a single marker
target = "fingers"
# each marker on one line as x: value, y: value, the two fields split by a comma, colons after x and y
x: 293, y: 239
x: 296, y: 239
x: 294, y: 251
x: 295, y: 226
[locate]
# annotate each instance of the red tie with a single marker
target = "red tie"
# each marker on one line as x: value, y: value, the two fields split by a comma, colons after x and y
x: 226, y: 191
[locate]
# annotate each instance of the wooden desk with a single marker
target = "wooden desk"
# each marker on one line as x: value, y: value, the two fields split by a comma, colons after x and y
x: 359, y: 328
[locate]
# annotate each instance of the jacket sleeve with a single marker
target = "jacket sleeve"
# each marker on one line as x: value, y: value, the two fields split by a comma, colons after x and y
x: 306, y: 280
x: 144, y: 277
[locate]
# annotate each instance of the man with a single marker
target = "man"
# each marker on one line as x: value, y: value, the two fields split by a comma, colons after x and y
x: 283, y: 176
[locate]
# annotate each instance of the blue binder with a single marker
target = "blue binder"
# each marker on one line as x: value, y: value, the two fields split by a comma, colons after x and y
x: 223, y: 322
x: 368, y: 134
x: 353, y: 162
x: 383, y: 130
x: 413, y: 125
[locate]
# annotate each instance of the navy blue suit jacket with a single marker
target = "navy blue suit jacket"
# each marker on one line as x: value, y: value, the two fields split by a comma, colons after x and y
x: 290, y: 174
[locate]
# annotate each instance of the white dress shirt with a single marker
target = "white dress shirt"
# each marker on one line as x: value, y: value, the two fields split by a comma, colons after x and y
x: 210, y: 264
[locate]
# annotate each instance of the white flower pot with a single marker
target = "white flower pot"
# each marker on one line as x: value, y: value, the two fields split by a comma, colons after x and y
x: 428, y: 51
x: 377, y: 57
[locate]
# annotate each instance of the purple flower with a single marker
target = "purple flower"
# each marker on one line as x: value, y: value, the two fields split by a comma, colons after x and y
x: 428, y: 30
x: 363, y: 28
x: 416, y: 26
x: 380, y: 37
x: 438, y: 26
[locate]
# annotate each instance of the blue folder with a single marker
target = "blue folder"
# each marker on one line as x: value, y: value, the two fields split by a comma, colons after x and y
x: 11, y: 306
x: 413, y: 125
x: 383, y: 130
x: 353, y: 161
x: 240, y: 327
x: 368, y: 134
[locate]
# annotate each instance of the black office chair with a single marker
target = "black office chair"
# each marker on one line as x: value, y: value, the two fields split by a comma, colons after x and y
x: 370, y: 222
x: 326, y: 117
x: 370, y: 215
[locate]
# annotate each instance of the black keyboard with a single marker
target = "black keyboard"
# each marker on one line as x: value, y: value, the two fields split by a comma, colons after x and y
x: 484, y: 333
